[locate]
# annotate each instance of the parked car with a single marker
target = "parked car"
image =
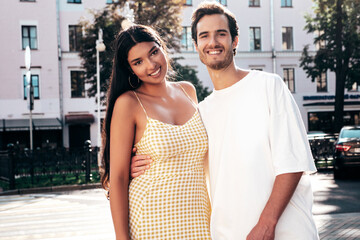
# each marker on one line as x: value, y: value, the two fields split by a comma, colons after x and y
x: 347, y: 151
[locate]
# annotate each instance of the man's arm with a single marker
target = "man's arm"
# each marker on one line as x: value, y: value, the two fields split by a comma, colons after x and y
x: 283, y: 189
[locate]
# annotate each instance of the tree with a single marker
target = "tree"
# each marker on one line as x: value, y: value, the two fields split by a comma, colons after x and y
x: 163, y: 15
x: 186, y: 73
x: 337, y: 26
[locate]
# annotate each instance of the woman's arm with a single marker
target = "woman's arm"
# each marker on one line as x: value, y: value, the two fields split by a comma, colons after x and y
x: 122, y: 132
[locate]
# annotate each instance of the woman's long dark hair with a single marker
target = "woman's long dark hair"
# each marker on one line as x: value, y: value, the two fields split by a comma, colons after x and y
x: 119, y: 83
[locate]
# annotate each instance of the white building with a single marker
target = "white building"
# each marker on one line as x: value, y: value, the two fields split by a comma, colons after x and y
x: 271, y: 38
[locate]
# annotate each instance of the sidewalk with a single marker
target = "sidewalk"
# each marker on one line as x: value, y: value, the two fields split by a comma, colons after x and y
x: 342, y: 226
x: 65, y: 212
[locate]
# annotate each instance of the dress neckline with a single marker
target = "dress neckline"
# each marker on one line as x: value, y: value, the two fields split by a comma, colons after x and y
x: 169, y: 125
x: 174, y: 125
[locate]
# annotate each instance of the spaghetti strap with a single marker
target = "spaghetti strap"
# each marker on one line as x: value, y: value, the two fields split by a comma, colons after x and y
x: 193, y: 103
x: 140, y: 103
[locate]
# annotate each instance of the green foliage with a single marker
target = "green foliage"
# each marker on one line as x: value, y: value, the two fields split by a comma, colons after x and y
x: 332, y: 53
x: 162, y: 15
x: 186, y: 73
x: 336, y: 24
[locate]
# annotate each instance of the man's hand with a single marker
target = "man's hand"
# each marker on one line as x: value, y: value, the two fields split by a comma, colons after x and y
x: 139, y: 164
x: 283, y: 189
x: 262, y: 231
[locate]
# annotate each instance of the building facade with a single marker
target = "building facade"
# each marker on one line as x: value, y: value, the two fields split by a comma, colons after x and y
x: 271, y: 39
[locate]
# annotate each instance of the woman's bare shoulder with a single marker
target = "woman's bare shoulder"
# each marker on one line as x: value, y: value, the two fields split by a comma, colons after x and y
x: 126, y: 102
x: 190, y: 89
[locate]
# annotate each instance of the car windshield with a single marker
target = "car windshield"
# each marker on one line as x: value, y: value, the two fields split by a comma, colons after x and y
x: 350, y: 133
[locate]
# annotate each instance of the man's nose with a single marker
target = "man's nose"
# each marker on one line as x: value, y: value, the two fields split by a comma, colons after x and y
x: 212, y: 41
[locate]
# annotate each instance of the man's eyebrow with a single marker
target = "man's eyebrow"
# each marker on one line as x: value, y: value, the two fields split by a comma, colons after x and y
x: 218, y: 31
x: 202, y: 33
x: 222, y: 30
x: 137, y: 59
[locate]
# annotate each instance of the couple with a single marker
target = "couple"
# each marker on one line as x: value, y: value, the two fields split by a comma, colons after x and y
x: 250, y: 127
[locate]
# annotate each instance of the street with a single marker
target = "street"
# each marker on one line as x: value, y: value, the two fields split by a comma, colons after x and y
x: 85, y: 214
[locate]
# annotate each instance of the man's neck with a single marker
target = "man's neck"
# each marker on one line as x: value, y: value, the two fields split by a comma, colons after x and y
x: 226, y: 77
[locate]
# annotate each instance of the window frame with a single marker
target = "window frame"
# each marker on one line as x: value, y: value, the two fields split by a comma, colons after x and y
x: 186, y: 30
x: 188, y: 4
x: 75, y: 41
x: 74, y: 1
x: 291, y: 38
x: 29, y: 37
x: 36, y: 87
x: 252, y: 30
x: 320, y: 81
x: 72, y: 92
x: 286, y: 4
x: 286, y: 78
x: 252, y: 3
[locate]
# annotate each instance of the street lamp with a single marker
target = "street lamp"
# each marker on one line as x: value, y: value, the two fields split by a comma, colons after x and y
x: 30, y: 91
x: 100, y: 47
x: 128, y: 15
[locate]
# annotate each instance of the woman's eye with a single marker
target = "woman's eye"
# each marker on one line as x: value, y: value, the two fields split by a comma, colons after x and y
x: 155, y: 52
x: 137, y: 63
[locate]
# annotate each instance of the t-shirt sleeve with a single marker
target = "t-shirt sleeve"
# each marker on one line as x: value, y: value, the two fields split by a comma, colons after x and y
x: 288, y: 139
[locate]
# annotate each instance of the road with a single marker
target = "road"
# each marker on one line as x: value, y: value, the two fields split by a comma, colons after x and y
x: 85, y: 214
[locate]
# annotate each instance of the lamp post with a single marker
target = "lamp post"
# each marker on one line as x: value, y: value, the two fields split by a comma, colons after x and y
x: 128, y: 15
x: 100, y: 47
x: 30, y: 92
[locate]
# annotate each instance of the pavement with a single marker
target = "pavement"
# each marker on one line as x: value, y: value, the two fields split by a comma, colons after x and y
x: 83, y: 212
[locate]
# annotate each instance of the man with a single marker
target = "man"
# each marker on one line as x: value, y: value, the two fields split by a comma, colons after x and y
x: 259, y: 155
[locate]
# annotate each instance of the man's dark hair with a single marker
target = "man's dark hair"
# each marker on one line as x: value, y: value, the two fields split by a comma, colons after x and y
x: 210, y: 8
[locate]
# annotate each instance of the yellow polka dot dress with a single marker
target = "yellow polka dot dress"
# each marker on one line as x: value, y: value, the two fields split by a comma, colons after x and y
x: 170, y: 201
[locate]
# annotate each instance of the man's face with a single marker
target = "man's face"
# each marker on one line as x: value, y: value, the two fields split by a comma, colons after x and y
x: 214, y: 43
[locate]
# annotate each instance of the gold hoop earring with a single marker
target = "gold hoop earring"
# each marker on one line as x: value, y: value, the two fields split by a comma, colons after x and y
x: 138, y: 82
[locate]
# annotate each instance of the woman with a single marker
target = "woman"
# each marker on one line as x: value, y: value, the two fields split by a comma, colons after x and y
x: 170, y: 200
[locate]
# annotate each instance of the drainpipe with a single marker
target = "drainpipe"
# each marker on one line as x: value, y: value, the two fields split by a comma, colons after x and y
x: 61, y: 96
x: 272, y: 31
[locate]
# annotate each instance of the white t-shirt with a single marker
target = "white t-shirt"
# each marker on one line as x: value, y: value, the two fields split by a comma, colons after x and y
x: 255, y: 133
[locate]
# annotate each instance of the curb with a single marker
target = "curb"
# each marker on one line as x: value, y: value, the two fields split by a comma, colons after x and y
x: 61, y: 188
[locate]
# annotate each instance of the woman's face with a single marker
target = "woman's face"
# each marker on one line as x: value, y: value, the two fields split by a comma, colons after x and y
x: 147, y: 60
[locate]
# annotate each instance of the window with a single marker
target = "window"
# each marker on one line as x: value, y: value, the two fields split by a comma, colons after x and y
x: 223, y: 2
x: 321, y: 83
x: 289, y: 78
x: 75, y: 35
x: 254, y: 3
x: 286, y: 3
x: 287, y: 38
x: 35, y: 84
x: 77, y: 84
x: 188, y: 2
x: 255, y: 38
x: 186, y: 40
x: 29, y: 37
x: 74, y: 1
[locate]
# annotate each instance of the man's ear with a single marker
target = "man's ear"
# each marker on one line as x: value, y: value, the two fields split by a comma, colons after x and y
x: 235, y: 42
